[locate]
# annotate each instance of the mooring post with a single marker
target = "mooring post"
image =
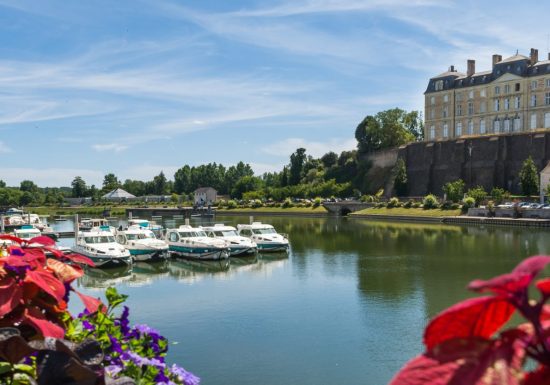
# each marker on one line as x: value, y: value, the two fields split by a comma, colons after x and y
x: 75, y: 227
x: 2, y: 224
x: 251, y: 219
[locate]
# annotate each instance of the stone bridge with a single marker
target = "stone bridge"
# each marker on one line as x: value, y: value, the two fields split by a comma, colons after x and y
x: 345, y: 207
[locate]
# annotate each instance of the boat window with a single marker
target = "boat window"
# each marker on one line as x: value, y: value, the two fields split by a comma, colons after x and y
x: 105, y: 239
x: 246, y: 232
x: 89, y: 239
x: 229, y: 233
x: 200, y: 233
x: 264, y: 231
x: 186, y: 234
x: 132, y: 237
x: 173, y: 237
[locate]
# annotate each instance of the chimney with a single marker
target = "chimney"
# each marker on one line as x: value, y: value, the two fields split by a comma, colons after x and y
x: 534, y: 56
x: 496, y: 59
x: 471, y: 67
x: 452, y: 68
x: 548, y: 55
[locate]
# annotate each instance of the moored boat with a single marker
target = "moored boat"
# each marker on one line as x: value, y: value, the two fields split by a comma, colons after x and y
x: 238, y: 245
x: 265, y: 236
x: 190, y: 242
x: 142, y: 243
x: 100, y: 246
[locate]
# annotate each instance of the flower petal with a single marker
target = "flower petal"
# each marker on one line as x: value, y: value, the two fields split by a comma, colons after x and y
x: 474, y: 317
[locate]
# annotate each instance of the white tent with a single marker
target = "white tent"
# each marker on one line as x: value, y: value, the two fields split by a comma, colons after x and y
x: 118, y: 195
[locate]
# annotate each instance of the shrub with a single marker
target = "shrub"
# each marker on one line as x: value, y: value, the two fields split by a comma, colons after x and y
x: 287, y: 203
x: 454, y: 190
x: 491, y: 208
x: 478, y: 193
x: 367, y: 198
x: 231, y: 204
x: 468, y: 203
x: 393, y: 202
x: 381, y: 205
x: 430, y: 202
x: 255, y: 203
x: 529, y: 177
x: 446, y: 205
x: 400, y: 181
x: 317, y: 202
x: 455, y: 206
x: 498, y: 194
x: 416, y: 205
x: 408, y: 204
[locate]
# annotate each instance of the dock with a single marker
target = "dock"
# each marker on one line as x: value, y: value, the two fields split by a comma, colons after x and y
x: 178, y: 212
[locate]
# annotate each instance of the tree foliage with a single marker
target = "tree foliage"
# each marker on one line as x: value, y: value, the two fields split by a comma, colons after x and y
x: 79, y: 188
x: 454, y: 190
x: 387, y: 129
x: 400, y: 182
x: 529, y: 177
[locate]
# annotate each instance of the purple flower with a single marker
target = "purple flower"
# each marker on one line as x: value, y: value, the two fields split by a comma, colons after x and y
x: 123, y: 321
x: 115, y: 345
x: 112, y: 370
x: 184, y: 376
x: 88, y: 326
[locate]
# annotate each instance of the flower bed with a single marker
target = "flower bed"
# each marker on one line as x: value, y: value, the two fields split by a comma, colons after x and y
x: 41, y: 342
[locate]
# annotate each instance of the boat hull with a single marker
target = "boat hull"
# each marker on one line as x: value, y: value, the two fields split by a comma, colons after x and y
x: 272, y: 247
x: 200, y: 253
x: 241, y: 251
x: 142, y: 255
x: 105, y: 261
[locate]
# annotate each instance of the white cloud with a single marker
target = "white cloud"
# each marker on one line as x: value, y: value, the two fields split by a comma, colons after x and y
x: 316, y: 149
x: 109, y: 147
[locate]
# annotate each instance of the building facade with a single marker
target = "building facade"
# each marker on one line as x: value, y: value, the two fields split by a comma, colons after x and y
x: 205, y: 196
x: 513, y: 97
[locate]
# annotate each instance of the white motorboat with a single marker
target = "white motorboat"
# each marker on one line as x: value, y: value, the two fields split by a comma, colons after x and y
x: 142, y: 243
x: 100, y: 246
x: 27, y: 232
x: 190, y: 242
x: 87, y: 224
x: 238, y: 245
x: 147, y: 224
x: 265, y: 236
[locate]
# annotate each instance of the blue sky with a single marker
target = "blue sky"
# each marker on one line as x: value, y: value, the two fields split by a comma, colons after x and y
x: 136, y: 87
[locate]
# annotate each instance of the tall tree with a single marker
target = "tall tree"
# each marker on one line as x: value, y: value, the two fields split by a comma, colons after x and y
x: 400, y: 183
x: 160, y: 184
x: 529, y: 177
x: 297, y: 161
x: 2, y: 183
x: 79, y: 188
x: 387, y: 129
x: 329, y: 159
x: 28, y: 186
x: 110, y: 182
x: 182, y: 180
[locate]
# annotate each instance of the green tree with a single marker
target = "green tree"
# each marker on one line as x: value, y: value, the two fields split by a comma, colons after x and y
x: 297, y: 161
x: 329, y: 159
x: 386, y: 129
x: 160, y: 184
x: 529, y: 177
x: 28, y: 186
x: 110, y: 182
x: 246, y: 184
x: 2, y: 183
x: 454, y: 190
x: 400, y: 182
x: 79, y: 188
x: 478, y: 193
x: 135, y: 187
x: 182, y: 180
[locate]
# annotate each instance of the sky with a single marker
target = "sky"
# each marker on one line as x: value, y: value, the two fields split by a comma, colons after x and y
x: 138, y: 87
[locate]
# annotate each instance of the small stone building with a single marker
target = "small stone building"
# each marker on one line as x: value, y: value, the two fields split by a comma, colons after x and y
x: 205, y: 196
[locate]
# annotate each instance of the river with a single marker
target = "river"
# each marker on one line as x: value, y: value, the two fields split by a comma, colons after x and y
x: 347, y: 305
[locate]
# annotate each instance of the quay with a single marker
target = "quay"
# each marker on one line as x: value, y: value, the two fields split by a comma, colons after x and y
x: 183, y: 212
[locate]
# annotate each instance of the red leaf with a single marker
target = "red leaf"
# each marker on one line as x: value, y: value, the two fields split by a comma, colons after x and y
x: 474, y: 317
x: 544, y: 286
x: 15, y: 261
x: 47, y: 282
x: 11, y: 238
x: 532, y: 265
x: 43, y: 240
x: 65, y: 272
x: 513, y: 282
x: 92, y: 304
x: 465, y: 362
x: 35, y: 257
x: 56, y: 252
x: 541, y: 376
x: 10, y: 295
x: 80, y: 259
x: 45, y: 327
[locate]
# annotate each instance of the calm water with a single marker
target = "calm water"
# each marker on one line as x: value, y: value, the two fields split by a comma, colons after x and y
x: 347, y: 306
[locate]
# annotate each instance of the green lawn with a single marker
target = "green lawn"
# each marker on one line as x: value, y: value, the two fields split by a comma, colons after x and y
x: 415, y: 212
x: 317, y: 210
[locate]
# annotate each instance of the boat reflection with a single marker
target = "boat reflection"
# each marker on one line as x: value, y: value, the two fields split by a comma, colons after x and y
x: 103, y: 278
x: 145, y: 273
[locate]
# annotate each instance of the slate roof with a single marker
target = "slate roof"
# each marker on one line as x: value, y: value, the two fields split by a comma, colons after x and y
x: 204, y: 190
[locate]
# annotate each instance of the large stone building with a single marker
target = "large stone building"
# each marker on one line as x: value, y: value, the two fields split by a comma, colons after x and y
x: 514, y: 96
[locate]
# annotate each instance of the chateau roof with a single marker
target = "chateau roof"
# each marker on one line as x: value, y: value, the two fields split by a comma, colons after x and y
x: 449, y: 73
x: 514, y: 58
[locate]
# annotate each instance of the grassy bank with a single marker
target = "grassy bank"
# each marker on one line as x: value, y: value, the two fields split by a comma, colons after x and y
x: 297, y: 210
x: 84, y: 210
x: 401, y: 211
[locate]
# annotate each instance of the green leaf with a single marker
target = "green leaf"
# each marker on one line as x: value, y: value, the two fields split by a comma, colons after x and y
x: 22, y: 368
x: 5, y: 367
x: 114, y: 298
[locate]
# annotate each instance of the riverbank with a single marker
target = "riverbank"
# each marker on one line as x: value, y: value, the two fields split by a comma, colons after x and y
x: 277, y: 211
